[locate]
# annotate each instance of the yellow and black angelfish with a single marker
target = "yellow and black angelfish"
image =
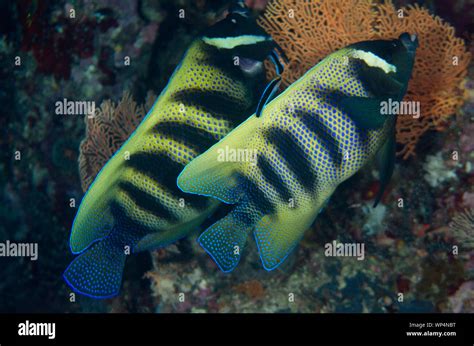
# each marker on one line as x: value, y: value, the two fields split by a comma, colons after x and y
x: 309, y: 139
x: 134, y: 202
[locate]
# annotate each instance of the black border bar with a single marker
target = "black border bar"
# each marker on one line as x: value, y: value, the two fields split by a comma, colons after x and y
x: 193, y: 329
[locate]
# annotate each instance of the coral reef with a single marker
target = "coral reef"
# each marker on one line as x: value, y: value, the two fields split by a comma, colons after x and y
x: 375, y: 218
x: 57, y: 37
x: 309, y: 30
x: 106, y: 131
x: 253, y: 289
x: 437, y: 172
x: 463, y: 300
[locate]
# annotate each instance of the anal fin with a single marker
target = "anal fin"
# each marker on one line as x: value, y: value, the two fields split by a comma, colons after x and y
x: 225, y: 240
x: 277, y: 235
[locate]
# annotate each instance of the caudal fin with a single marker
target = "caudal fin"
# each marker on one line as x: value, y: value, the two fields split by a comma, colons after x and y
x: 97, y: 272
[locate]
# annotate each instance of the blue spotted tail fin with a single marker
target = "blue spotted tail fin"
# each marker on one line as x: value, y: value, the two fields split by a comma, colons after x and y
x: 97, y: 272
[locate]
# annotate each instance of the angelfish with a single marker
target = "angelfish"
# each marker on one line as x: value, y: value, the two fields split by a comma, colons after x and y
x: 134, y: 204
x: 319, y: 132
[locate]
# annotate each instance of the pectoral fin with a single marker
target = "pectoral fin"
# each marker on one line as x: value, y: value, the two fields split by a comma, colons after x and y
x: 364, y: 111
x: 380, y: 83
x: 386, y: 165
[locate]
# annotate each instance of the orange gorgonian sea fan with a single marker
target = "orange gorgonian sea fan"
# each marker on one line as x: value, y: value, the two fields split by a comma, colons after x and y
x: 310, y: 30
x: 106, y: 131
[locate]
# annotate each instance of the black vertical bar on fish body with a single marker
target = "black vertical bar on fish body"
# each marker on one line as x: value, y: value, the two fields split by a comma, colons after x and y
x: 255, y: 195
x: 271, y: 175
x: 290, y: 149
x: 316, y: 125
x: 147, y: 202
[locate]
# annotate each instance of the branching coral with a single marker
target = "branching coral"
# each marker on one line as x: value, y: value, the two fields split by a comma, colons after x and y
x: 309, y: 30
x: 462, y: 228
x: 106, y: 131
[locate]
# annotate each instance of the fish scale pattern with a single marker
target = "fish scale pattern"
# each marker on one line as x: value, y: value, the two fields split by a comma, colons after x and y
x: 307, y: 138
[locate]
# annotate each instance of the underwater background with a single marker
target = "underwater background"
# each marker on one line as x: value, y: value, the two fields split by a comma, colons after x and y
x: 120, y: 54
